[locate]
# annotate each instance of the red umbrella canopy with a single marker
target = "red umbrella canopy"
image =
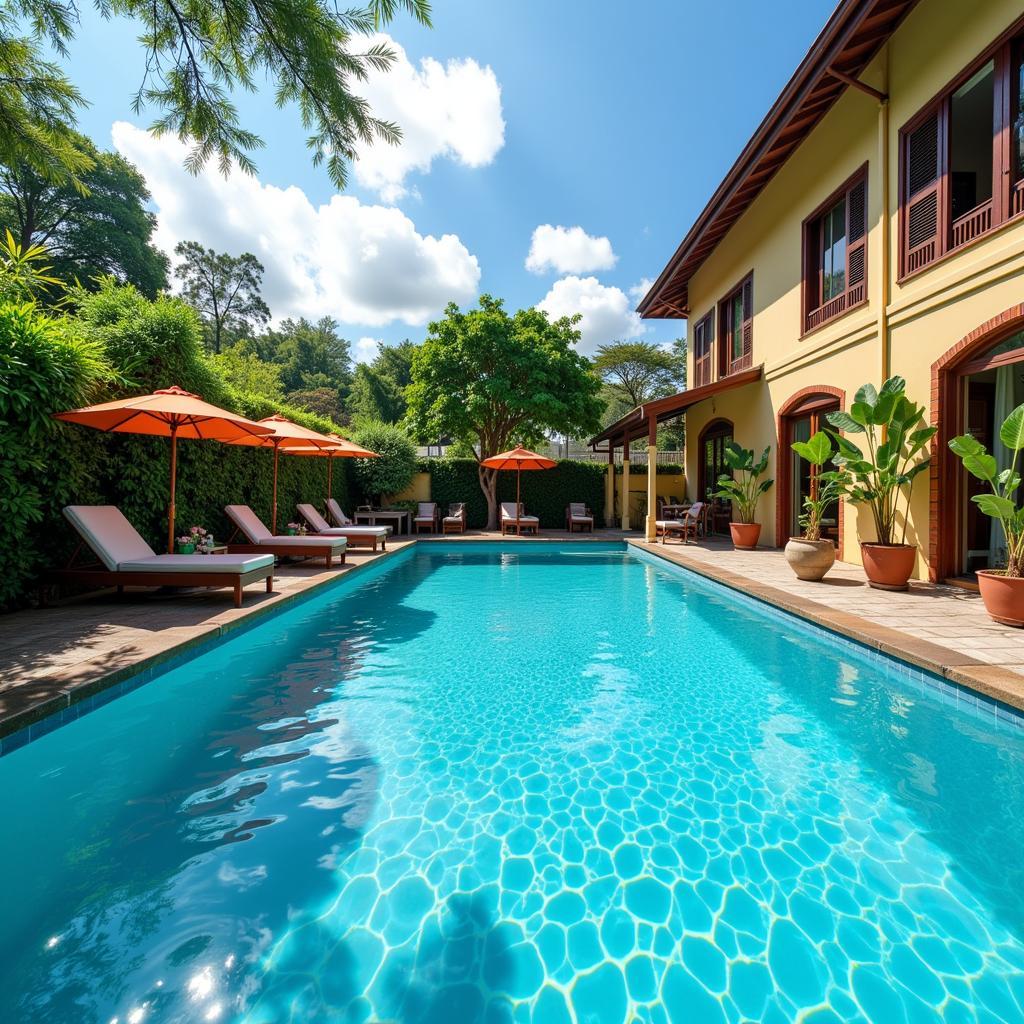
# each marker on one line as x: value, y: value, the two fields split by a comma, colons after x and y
x: 170, y: 412
x: 518, y: 458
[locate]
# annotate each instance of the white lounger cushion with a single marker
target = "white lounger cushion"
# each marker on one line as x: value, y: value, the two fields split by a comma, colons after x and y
x: 336, y: 513
x: 198, y: 563
x: 581, y: 519
x: 250, y: 524
x: 321, y: 528
x: 508, y: 512
x: 121, y: 549
x: 112, y: 538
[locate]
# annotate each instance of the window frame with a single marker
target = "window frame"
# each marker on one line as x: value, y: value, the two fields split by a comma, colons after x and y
x: 852, y: 296
x: 990, y: 216
x: 704, y: 364
x: 727, y: 365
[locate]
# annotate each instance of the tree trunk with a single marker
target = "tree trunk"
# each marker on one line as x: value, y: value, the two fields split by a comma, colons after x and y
x: 489, y: 485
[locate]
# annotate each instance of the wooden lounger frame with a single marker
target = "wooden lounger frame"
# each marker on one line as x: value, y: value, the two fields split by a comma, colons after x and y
x: 355, y: 540
x: 100, y: 576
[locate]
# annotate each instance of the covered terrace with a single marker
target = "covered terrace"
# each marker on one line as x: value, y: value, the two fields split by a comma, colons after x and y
x: 642, y: 422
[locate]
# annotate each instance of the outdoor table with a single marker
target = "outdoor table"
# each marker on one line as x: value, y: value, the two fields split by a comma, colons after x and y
x: 397, y: 519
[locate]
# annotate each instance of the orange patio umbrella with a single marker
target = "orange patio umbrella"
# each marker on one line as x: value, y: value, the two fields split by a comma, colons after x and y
x: 518, y: 459
x: 169, y: 412
x: 283, y: 433
x: 346, y: 450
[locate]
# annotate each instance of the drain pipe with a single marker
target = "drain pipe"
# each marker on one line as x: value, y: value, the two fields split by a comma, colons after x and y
x: 886, y: 261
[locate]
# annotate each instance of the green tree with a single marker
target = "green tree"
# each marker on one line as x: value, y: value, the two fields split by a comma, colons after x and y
x: 637, y: 371
x: 397, y: 465
x: 322, y: 401
x: 196, y: 55
x: 311, y: 355
x: 492, y: 380
x: 378, y: 388
x: 87, y: 234
x: 224, y: 289
x: 245, y: 371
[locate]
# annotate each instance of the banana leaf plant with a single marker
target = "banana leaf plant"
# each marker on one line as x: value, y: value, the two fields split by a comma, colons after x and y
x: 743, y: 488
x: 881, y: 474
x: 1000, y: 504
x: 826, y: 487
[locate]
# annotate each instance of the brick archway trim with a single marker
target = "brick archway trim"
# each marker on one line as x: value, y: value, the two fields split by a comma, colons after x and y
x: 782, y: 460
x: 943, y: 478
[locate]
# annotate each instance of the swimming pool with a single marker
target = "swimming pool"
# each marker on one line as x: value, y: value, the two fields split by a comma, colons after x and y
x: 541, y: 783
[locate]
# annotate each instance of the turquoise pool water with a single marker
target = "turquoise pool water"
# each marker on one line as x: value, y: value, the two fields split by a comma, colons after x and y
x: 536, y: 785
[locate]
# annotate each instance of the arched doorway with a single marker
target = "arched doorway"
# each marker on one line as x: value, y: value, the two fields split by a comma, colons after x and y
x: 800, y: 417
x: 974, y: 386
x: 710, y: 466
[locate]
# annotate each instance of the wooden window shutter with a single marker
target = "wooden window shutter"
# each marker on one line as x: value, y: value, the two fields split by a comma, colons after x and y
x: 748, y: 319
x: 857, y: 242
x: 922, y: 209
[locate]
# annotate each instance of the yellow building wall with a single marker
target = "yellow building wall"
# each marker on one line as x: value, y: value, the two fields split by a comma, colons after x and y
x: 668, y: 485
x: 927, y: 315
x: 418, y: 490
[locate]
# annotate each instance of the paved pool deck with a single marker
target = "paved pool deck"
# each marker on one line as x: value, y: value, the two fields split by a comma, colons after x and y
x: 56, y: 658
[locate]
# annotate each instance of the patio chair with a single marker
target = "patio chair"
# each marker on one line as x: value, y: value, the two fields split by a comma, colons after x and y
x: 578, y: 516
x: 692, y: 522
x: 126, y: 560
x: 259, y: 539
x: 426, y: 517
x: 368, y: 536
x: 455, y: 521
x: 513, y: 519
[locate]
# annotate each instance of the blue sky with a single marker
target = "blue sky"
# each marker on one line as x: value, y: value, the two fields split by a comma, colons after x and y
x: 618, y: 125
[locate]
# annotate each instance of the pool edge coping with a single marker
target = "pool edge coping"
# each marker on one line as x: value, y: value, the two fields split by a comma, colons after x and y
x: 50, y: 711
x: 991, y: 681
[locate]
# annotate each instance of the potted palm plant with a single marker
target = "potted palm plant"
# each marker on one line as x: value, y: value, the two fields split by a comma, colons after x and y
x: 808, y: 555
x: 743, y: 489
x: 1002, y: 590
x: 882, y: 477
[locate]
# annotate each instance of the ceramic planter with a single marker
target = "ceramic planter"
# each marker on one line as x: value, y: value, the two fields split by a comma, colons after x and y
x: 1003, y: 596
x: 744, y: 535
x: 186, y: 549
x: 888, y: 566
x: 810, y: 559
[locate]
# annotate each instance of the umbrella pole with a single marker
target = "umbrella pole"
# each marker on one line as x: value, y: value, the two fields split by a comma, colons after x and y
x: 330, y: 466
x: 174, y: 473
x: 519, y: 511
x: 273, y: 509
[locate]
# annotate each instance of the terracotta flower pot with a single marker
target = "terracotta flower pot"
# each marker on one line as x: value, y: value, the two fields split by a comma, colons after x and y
x: 888, y: 566
x: 1003, y: 596
x: 744, y: 535
x: 810, y: 559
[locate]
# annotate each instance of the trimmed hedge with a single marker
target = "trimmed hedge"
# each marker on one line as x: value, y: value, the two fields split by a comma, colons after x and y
x: 52, y: 363
x: 545, y: 493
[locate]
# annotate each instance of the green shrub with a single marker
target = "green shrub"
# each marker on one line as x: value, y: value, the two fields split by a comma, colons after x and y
x: 396, y: 467
x: 45, y: 365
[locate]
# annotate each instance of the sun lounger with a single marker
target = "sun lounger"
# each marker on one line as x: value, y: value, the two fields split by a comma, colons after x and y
x: 128, y: 561
x: 511, y: 522
x: 339, y: 518
x: 259, y: 539
x: 578, y: 517
x: 426, y: 517
x: 455, y: 521
x: 369, y: 536
x: 691, y: 523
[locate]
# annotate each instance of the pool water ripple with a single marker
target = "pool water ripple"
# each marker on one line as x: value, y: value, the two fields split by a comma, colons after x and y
x: 519, y: 786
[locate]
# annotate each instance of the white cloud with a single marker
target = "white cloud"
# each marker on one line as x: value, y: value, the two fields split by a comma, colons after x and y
x: 568, y: 251
x: 606, y: 311
x: 361, y: 264
x: 450, y: 110
x: 641, y: 288
x: 365, y: 349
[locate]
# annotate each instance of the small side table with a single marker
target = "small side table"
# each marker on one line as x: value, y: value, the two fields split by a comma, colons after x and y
x: 218, y: 549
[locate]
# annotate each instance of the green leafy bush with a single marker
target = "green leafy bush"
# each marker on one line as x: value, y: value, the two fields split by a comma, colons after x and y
x: 119, y: 343
x: 396, y: 467
x: 45, y: 364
